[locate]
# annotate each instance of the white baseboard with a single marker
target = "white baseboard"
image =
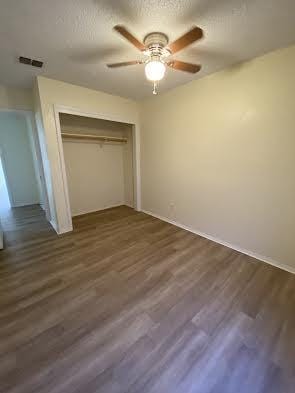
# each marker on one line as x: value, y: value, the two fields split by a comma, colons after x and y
x: 97, y: 210
x: 262, y: 258
x: 60, y: 231
x: 54, y: 226
x: 129, y: 205
x: 1, y: 239
x: 25, y: 204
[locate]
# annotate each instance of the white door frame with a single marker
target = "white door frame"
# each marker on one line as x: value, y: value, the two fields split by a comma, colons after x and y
x: 103, y: 116
x: 36, y: 142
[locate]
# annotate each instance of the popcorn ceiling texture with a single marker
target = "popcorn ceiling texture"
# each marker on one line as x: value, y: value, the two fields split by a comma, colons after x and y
x: 75, y: 40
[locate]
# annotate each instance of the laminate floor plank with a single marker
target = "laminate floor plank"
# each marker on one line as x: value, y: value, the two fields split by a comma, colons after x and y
x: 127, y: 303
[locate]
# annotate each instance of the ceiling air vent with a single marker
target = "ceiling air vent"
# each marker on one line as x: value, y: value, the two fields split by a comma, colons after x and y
x: 25, y: 60
x: 34, y: 63
x: 37, y: 63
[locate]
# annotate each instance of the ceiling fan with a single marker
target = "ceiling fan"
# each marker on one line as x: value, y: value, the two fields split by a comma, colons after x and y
x: 157, y: 49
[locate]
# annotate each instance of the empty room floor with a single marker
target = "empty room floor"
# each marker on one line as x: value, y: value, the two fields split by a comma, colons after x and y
x: 129, y: 303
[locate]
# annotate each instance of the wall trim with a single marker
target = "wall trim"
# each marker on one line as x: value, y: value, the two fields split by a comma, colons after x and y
x: 129, y: 205
x: 59, y: 231
x: 26, y: 204
x: 99, y: 210
x: 259, y: 257
x: 40, y: 167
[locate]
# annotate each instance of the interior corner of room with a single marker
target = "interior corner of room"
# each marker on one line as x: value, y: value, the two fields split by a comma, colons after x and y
x: 147, y: 188
x: 220, y: 176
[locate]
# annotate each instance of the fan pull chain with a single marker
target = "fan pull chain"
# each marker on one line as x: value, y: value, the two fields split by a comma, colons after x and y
x: 155, y: 89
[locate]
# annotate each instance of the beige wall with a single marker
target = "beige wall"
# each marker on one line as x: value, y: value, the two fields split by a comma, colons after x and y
x: 86, y: 101
x: 15, y: 98
x: 99, y: 175
x: 82, y: 124
x: 95, y: 176
x: 218, y: 156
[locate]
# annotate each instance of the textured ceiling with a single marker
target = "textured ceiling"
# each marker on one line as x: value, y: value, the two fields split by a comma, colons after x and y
x: 75, y: 40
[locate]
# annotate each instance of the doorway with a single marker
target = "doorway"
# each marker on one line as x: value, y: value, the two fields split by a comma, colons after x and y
x: 4, y: 196
x: 21, y: 190
x: 99, y: 163
x: 64, y: 217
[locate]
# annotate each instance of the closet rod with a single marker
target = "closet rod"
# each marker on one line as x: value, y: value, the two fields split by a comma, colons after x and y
x: 67, y: 135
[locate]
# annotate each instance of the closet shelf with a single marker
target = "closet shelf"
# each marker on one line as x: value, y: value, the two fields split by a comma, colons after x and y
x: 67, y: 135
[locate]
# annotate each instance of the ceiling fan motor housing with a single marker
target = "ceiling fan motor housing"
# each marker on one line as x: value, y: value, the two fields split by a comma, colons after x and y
x: 156, y: 43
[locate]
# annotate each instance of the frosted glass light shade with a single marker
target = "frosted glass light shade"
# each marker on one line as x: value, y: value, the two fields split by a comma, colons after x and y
x: 155, y: 70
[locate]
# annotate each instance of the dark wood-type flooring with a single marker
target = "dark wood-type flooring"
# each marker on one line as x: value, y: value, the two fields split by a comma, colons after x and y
x: 128, y: 303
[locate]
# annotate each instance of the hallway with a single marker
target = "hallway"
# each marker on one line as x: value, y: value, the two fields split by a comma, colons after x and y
x: 21, y: 224
x: 4, y: 198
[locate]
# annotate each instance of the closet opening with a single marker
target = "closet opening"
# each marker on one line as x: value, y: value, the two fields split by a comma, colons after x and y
x: 99, y: 163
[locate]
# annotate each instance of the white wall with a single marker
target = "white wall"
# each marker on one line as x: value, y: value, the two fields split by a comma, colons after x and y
x: 4, y: 200
x: 4, y: 197
x: 218, y: 156
x: 82, y: 124
x: 98, y: 175
x: 16, y: 98
x: 50, y: 93
x: 34, y: 145
x: 18, y: 159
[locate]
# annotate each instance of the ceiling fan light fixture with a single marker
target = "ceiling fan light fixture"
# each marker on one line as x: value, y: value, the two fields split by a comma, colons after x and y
x: 155, y: 70
x: 157, y: 49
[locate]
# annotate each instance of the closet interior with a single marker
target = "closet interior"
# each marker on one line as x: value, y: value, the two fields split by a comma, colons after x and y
x: 99, y: 163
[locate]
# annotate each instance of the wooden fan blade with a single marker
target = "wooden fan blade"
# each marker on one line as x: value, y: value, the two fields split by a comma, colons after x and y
x: 129, y: 37
x: 124, y: 63
x: 182, y: 66
x: 191, y: 36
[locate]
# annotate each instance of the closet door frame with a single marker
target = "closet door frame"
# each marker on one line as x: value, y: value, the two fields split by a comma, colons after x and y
x: 135, y: 150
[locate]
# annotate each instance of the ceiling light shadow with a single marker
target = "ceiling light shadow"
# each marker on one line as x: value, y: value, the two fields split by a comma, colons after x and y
x: 95, y: 55
x: 118, y: 9
x: 201, y: 9
x: 213, y: 55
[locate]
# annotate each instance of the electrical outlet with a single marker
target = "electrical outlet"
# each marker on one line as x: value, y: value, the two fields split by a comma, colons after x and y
x: 171, y: 209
